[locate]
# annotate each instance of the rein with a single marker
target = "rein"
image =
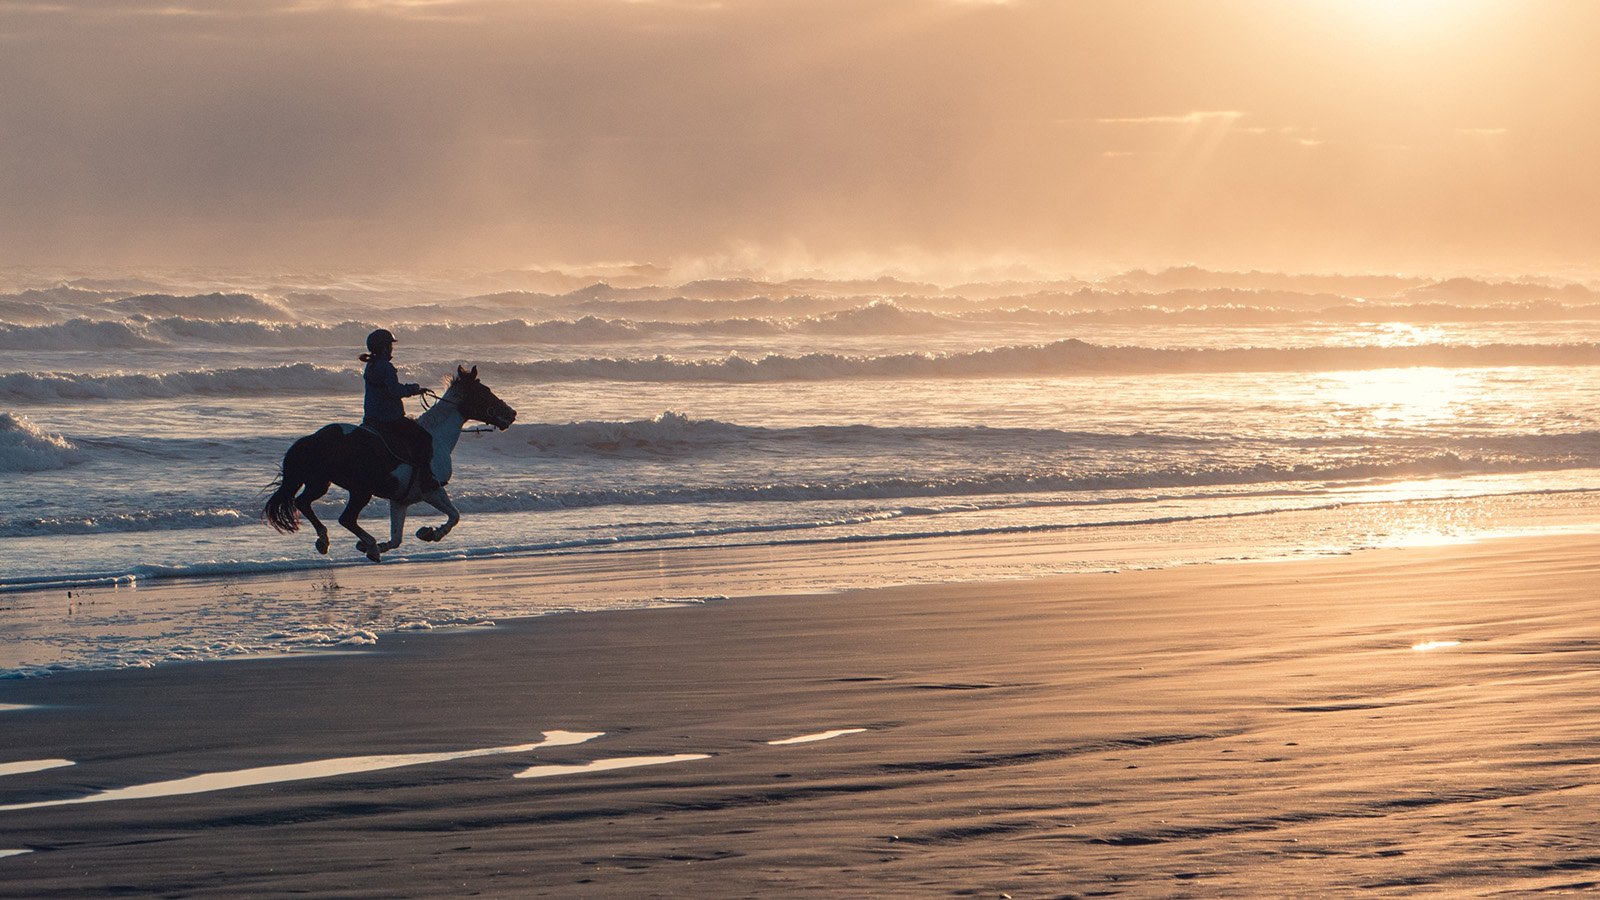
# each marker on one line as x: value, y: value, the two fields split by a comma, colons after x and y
x: 428, y: 392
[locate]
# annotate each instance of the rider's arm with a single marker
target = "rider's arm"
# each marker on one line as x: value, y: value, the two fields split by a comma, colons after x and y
x: 390, y: 381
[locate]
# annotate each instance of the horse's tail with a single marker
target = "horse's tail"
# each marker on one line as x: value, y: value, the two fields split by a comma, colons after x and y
x: 280, y: 511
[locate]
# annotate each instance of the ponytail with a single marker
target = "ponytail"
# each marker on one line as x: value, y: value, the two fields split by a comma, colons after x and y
x: 365, y: 357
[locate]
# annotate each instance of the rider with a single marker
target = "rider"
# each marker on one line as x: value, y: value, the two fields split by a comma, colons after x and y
x: 385, y: 413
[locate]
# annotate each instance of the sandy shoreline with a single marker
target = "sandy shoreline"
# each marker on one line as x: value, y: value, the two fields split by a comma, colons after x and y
x: 1264, y: 729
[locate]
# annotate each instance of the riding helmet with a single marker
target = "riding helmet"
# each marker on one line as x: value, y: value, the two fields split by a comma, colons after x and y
x: 379, y: 340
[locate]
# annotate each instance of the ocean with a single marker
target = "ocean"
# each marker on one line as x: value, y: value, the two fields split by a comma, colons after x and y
x: 1137, y: 419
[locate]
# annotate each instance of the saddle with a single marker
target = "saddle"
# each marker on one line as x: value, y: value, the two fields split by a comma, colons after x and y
x: 408, y: 443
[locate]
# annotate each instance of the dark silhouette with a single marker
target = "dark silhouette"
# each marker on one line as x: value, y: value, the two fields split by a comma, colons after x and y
x: 384, y: 413
x: 356, y: 459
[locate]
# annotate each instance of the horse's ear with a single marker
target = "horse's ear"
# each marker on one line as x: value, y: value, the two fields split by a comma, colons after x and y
x: 461, y: 371
x: 474, y: 373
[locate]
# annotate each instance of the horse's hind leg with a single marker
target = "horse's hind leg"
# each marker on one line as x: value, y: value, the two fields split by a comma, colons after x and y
x: 351, y: 519
x: 308, y: 495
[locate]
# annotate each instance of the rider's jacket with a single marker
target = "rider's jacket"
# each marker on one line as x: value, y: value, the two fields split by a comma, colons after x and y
x: 384, y: 392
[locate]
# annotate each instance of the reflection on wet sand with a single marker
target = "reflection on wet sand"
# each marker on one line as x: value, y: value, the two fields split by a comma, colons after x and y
x: 322, y: 768
x: 823, y: 736
x: 604, y: 765
x: 25, y: 766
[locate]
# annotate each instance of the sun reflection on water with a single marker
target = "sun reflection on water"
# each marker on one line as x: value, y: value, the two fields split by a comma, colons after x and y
x: 1404, y: 398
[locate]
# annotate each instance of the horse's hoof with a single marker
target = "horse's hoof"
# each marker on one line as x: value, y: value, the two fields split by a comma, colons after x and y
x: 322, y: 546
x: 429, y: 534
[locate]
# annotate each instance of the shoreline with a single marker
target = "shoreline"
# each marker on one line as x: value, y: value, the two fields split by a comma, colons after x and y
x: 139, y: 623
x: 1340, y: 725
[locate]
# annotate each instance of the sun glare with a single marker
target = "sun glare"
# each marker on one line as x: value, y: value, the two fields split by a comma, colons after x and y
x: 1409, y: 15
x: 1400, y: 398
x: 1405, y: 11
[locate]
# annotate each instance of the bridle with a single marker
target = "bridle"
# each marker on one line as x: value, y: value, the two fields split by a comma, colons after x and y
x: 437, y: 399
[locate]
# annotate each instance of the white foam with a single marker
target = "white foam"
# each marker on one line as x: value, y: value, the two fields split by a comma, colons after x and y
x: 5, y: 853
x: 606, y: 765
x: 822, y: 736
x: 322, y: 768
x: 1435, y: 645
x: 24, y: 447
x: 33, y: 765
x: 56, y: 387
x: 1064, y: 357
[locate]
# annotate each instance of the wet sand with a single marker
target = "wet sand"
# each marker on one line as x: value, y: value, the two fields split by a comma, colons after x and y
x: 1394, y: 723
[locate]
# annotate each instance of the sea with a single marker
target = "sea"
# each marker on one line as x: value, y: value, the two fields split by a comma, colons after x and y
x: 1127, y: 419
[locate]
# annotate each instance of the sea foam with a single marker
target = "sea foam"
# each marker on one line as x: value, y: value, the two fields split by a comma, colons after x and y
x: 24, y: 447
x: 300, y: 378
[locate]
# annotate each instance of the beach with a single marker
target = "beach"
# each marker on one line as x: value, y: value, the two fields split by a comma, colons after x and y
x: 892, y: 449
x: 1399, y: 722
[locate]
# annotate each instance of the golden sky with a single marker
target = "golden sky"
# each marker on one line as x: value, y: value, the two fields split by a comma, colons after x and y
x: 1071, y: 134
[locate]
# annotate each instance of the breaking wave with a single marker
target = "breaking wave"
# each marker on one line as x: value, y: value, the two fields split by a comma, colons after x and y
x: 1062, y: 358
x: 1025, y: 466
x: 30, y: 321
x: 24, y: 447
x: 46, y: 387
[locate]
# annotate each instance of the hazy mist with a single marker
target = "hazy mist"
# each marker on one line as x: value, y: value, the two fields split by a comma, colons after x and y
x: 1280, y: 134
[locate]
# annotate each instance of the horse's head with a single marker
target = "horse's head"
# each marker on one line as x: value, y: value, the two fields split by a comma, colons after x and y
x: 477, y: 402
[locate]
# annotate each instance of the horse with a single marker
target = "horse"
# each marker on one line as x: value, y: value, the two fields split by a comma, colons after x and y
x: 359, y: 460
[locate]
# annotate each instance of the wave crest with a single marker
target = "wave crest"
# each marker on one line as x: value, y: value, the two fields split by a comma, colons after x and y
x: 44, y: 387
x: 1064, y: 358
x: 24, y: 447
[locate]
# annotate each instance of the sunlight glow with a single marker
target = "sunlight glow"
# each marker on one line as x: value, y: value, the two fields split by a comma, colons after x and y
x: 1401, y: 398
x: 1407, y: 14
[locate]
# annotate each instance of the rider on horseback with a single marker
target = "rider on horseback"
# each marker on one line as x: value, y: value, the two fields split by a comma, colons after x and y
x: 386, y: 415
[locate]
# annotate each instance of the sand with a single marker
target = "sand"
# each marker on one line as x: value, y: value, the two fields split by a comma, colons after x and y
x: 1394, y: 723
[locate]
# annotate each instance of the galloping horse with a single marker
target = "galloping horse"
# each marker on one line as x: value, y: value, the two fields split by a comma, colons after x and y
x: 357, y: 459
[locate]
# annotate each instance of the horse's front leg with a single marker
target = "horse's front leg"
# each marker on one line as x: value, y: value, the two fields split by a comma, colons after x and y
x: 397, y: 525
x: 351, y: 519
x: 441, y: 501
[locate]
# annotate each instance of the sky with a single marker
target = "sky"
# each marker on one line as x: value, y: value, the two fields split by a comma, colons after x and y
x: 1069, y: 135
